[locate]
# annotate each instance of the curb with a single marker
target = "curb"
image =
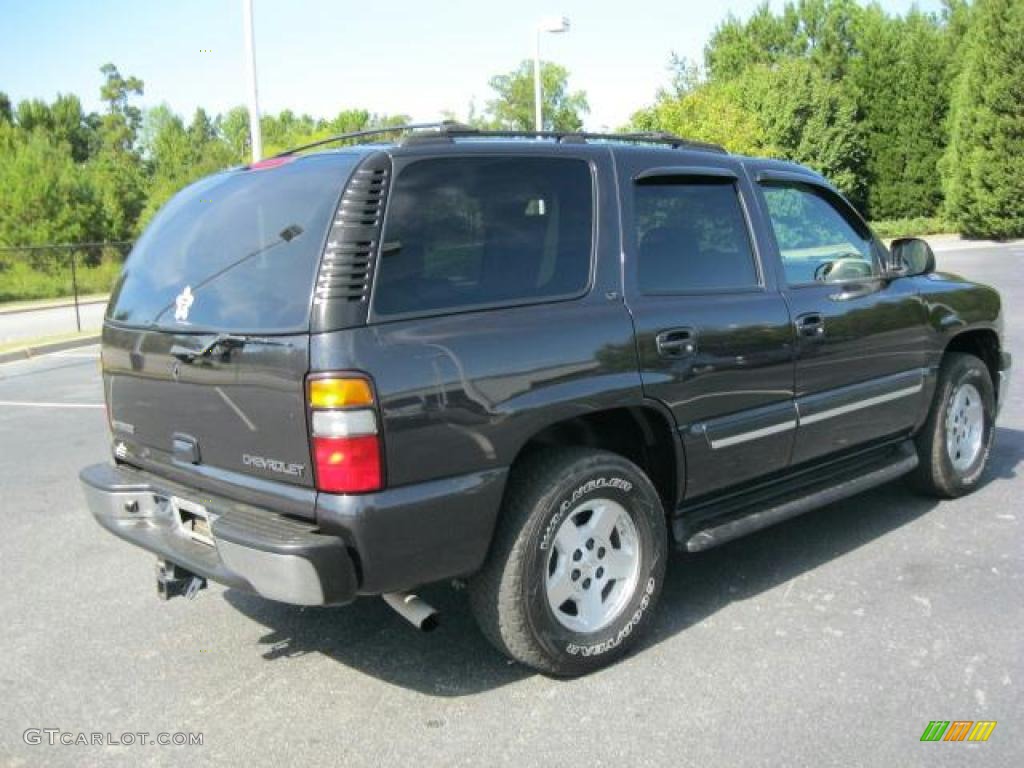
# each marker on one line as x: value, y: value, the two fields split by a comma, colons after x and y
x: 26, y: 353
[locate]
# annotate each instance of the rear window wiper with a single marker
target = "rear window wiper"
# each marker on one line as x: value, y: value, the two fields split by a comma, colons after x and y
x: 224, y: 343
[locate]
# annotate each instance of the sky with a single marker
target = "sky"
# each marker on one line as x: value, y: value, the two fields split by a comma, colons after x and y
x: 418, y: 57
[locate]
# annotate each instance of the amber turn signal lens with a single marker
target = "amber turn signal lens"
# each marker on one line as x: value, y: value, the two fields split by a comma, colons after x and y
x: 339, y: 393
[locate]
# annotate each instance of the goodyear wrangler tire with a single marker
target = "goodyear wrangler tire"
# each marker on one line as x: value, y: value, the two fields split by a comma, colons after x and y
x: 577, y: 563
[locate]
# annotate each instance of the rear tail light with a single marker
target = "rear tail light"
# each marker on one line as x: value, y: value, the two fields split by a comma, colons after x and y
x: 346, y: 441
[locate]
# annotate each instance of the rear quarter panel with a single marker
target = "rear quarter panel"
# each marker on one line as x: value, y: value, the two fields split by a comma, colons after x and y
x: 463, y: 392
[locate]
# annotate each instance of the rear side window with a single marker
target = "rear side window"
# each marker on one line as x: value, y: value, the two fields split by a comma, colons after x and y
x: 691, y: 236
x: 238, y: 251
x: 465, y: 232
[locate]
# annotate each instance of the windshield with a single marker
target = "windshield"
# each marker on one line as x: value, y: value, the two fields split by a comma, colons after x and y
x: 237, y: 251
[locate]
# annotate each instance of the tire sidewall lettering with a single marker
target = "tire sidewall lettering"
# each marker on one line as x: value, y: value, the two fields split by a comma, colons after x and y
x: 599, y: 483
x: 634, y: 496
x: 603, y: 647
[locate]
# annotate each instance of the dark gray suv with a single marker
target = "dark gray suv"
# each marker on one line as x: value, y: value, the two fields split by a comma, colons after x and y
x: 528, y: 361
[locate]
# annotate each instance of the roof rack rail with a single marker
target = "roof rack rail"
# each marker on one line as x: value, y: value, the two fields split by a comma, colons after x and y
x: 449, y: 130
x: 366, y: 134
x: 456, y: 130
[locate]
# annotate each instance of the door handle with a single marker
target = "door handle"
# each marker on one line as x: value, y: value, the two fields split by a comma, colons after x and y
x: 811, y: 325
x: 677, y: 342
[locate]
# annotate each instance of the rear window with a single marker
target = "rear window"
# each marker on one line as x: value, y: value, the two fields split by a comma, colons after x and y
x: 238, y: 251
x: 476, y: 231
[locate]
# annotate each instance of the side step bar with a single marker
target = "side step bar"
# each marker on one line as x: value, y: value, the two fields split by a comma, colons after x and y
x: 741, y: 525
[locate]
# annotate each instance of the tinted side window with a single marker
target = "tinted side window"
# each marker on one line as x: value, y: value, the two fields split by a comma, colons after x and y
x: 817, y: 242
x: 472, y: 231
x: 691, y: 236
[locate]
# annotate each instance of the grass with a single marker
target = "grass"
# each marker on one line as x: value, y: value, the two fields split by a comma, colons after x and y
x: 916, y: 227
x: 22, y: 281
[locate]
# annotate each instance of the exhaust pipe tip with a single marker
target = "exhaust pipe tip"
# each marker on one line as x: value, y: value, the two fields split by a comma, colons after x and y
x: 413, y: 609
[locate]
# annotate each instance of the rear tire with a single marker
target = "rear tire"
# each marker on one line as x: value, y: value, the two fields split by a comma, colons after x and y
x: 577, y: 562
x: 955, y: 442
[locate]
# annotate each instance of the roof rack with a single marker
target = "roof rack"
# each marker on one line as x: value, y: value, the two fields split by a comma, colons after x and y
x: 449, y: 130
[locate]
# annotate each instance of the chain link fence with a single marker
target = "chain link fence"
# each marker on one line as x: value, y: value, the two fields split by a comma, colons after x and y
x: 58, y: 275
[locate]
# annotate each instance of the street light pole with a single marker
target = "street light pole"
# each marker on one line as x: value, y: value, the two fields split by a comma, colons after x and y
x: 538, y: 116
x: 254, y: 106
x: 554, y: 25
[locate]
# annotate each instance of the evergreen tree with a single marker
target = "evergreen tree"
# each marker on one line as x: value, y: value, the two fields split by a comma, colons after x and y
x: 984, y: 165
x: 901, y: 80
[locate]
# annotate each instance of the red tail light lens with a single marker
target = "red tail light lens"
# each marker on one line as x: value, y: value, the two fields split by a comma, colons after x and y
x: 347, y: 464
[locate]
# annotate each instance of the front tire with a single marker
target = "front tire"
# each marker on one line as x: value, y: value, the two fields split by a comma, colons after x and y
x: 955, y: 442
x: 577, y: 563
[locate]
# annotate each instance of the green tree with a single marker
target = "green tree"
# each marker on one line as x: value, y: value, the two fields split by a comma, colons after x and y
x: 788, y: 110
x: 764, y: 39
x: 984, y: 165
x: 707, y: 112
x: 72, y: 125
x: 120, y: 125
x: 44, y: 196
x: 116, y: 171
x: 176, y: 156
x: 34, y: 115
x: 513, y: 106
x: 201, y: 131
x: 811, y: 119
x: 901, y: 81
x: 234, y: 127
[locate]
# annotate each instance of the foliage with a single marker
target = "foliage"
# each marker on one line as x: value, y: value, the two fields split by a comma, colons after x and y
x: 513, y: 105
x: 69, y: 176
x: 912, y: 227
x: 984, y: 164
x: 21, y: 279
x: 861, y: 95
x: 44, y: 196
x: 918, y: 118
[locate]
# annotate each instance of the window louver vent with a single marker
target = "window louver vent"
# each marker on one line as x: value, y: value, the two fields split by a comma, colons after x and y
x: 346, y: 269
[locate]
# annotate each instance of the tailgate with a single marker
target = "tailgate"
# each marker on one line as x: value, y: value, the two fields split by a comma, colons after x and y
x: 206, y: 338
x: 233, y: 424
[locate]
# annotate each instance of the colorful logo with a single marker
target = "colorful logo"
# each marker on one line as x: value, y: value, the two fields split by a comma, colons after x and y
x: 958, y: 730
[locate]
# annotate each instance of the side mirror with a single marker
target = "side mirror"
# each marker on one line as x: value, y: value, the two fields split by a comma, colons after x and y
x: 910, y: 256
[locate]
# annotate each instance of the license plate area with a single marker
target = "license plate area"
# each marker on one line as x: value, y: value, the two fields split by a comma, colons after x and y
x: 193, y: 520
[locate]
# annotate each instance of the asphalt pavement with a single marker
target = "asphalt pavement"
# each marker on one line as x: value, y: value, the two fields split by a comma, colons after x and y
x: 829, y: 640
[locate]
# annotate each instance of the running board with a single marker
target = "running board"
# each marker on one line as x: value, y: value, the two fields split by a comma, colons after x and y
x: 743, y: 524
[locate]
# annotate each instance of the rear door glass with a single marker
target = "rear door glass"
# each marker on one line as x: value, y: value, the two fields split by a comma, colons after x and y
x: 238, y: 251
x: 692, y: 236
x: 477, y: 231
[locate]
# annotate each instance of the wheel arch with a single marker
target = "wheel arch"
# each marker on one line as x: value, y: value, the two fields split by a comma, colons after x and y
x: 983, y: 343
x: 645, y: 434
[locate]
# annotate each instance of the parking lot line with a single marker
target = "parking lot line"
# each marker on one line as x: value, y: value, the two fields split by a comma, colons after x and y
x: 23, y: 404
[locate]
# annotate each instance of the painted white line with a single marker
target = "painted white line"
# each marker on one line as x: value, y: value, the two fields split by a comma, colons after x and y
x: 22, y: 404
x: 76, y: 356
